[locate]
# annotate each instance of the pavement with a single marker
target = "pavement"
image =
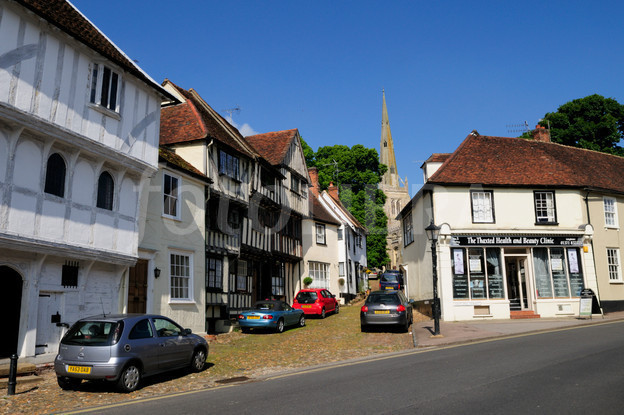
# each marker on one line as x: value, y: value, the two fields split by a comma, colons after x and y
x: 455, y: 332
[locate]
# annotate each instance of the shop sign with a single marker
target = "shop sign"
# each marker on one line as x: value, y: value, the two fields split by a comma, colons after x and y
x: 515, y: 240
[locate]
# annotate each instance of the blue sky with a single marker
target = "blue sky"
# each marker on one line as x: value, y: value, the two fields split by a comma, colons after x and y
x: 448, y: 67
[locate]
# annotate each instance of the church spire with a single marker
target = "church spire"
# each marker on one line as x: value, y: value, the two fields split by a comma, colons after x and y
x: 391, y: 177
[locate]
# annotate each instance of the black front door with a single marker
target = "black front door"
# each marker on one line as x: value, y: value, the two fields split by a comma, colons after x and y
x: 10, y: 304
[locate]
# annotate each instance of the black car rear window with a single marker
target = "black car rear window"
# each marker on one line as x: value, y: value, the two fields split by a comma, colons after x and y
x: 92, y: 333
x: 390, y: 277
x: 308, y: 296
x: 389, y: 299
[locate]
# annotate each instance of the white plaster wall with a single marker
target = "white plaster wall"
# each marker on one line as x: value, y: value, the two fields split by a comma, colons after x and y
x: 53, y: 220
x: 22, y: 214
x: 28, y: 164
x: 80, y: 230
x: 85, y: 183
x: 321, y: 253
x: 4, y: 156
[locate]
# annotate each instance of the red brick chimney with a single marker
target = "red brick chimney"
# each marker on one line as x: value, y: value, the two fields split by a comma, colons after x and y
x: 313, y: 173
x: 541, y: 134
x: 333, y: 191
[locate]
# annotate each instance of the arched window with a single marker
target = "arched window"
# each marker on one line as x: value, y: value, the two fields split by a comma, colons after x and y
x: 105, y: 191
x: 55, y: 176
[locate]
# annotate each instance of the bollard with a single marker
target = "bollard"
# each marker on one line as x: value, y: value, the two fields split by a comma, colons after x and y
x: 12, y: 375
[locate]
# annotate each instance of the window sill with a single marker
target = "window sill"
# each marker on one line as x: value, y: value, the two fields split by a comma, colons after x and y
x: 214, y: 290
x: 321, y: 243
x: 181, y: 301
x: 546, y: 223
x: 620, y: 282
x: 105, y: 111
x: 614, y: 228
x: 176, y: 218
x: 230, y: 177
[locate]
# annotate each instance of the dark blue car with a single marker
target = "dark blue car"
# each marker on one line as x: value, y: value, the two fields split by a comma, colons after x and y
x: 391, y: 280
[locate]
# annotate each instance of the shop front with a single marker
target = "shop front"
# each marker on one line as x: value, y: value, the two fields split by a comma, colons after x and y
x: 500, y: 276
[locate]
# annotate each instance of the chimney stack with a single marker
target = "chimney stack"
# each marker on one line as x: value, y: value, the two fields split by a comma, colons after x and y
x: 541, y: 134
x: 313, y: 173
x: 333, y: 191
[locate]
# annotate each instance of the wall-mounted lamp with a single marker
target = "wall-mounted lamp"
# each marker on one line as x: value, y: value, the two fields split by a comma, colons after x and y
x: 156, y: 272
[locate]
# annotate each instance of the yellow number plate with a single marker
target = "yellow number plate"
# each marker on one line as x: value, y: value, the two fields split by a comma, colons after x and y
x: 79, y: 369
x: 389, y: 288
x: 382, y: 311
x: 306, y: 306
x: 253, y: 317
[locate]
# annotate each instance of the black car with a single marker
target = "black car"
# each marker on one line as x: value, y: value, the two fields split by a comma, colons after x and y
x: 387, y: 307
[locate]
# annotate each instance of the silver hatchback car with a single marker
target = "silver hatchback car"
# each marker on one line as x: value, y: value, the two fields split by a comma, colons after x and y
x: 123, y: 348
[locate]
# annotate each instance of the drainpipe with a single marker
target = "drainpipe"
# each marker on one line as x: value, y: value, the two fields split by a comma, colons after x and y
x: 586, y: 198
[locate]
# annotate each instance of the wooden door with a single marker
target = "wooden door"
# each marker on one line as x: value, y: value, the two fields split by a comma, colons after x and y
x: 137, y: 288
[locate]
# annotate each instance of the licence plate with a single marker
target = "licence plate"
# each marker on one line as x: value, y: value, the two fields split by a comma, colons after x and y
x: 253, y: 317
x: 79, y: 369
x: 382, y: 311
x: 306, y: 306
x: 389, y: 288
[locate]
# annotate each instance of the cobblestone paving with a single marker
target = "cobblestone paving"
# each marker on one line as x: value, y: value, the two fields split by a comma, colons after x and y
x: 232, y: 355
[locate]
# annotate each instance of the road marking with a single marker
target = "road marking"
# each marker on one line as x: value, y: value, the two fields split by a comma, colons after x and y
x: 345, y: 364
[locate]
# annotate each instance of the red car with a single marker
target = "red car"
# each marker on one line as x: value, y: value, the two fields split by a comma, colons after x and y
x: 318, y: 301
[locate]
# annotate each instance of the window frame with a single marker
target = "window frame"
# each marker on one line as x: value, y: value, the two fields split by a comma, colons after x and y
x: 614, y: 265
x: 610, y: 214
x: 229, y: 165
x: 320, y: 235
x: 320, y: 274
x: 112, y: 84
x: 295, y: 184
x: 474, y: 206
x: 553, y: 207
x: 408, y: 229
x: 214, y: 284
x: 105, y: 192
x: 176, y: 197
x: 188, y: 278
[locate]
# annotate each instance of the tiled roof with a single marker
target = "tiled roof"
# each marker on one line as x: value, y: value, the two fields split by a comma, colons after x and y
x: 504, y: 161
x: 194, y: 120
x: 438, y: 157
x: 273, y: 146
x: 66, y: 17
x: 318, y: 211
x: 174, y: 160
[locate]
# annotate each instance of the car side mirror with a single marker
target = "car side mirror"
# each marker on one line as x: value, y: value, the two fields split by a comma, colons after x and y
x: 411, y: 301
x: 333, y: 295
x: 186, y: 332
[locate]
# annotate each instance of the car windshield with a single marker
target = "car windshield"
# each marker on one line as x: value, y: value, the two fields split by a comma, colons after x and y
x: 307, y: 296
x: 390, y: 299
x: 93, y: 333
x: 265, y: 306
x: 390, y: 277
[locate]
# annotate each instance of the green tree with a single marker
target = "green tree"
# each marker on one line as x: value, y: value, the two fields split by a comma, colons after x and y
x: 593, y: 122
x: 357, y: 172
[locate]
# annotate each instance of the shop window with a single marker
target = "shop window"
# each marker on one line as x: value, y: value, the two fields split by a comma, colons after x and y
x: 610, y: 212
x: 558, y: 272
x: 55, y: 176
x: 477, y: 273
x: 545, y: 212
x: 614, y: 264
x: 106, y: 188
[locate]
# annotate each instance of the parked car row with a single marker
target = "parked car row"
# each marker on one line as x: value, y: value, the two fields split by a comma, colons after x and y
x: 277, y: 315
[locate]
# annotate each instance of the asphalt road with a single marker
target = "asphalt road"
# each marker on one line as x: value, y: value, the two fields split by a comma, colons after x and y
x: 578, y: 370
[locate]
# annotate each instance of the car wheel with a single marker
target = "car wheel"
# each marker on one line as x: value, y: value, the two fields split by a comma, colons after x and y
x: 198, y: 361
x: 245, y: 329
x: 337, y: 310
x: 129, y: 379
x: 301, y: 321
x: 363, y: 328
x: 68, y: 383
x: 323, y: 313
x: 280, y: 326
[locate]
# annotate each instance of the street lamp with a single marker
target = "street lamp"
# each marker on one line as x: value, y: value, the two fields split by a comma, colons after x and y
x: 432, y: 233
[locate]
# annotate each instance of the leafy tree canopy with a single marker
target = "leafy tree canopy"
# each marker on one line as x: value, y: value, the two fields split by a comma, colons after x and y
x: 593, y: 122
x: 357, y: 172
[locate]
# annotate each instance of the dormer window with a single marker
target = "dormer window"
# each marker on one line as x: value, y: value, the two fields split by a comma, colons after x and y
x: 105, y: 87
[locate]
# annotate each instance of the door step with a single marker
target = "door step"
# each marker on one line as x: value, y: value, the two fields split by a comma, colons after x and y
x: 523, y: 314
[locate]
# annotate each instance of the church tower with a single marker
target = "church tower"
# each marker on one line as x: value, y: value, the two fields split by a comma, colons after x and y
x: 396, y: 190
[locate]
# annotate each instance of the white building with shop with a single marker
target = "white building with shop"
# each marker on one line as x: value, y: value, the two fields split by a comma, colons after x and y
x: 515, y: 239
x: 78, y: 136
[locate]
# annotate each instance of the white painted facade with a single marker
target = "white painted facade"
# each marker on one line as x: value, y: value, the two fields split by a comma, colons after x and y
x: 182, y: 235
x: 45, y: 109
